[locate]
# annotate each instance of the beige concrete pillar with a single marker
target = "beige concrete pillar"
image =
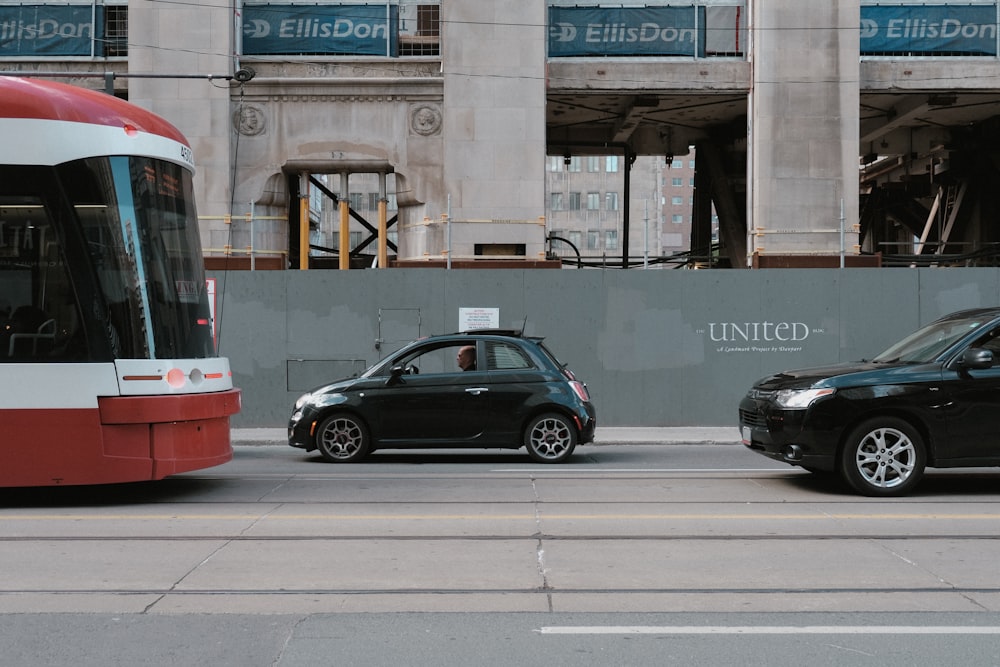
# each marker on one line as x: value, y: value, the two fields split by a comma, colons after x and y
x: 804, y: 127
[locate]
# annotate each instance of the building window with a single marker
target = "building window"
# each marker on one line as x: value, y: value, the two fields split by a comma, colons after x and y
x: 611, y: 239
x: 691, y: 164
x: 356, y: 199
x: 677, y: 219
x: 677, y: 201
x: 115, y: 30
x: 574, y: 201
x: 593, y: 201
x: 557, y: 201
x: 574, y: 238
x: 677, y: 164
x: 677, y: 182
x: 554, y: 163
x: 593, y: 239
x: 419, y: 30
x: 611, y: 201
x: 611, y: 164
x: 574, y: 164
x: 593, y: 163
x: 315, y: 199
x: 372, y: 201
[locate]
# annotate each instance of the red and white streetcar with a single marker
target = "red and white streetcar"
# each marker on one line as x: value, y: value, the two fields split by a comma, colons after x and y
x: 108, y: 367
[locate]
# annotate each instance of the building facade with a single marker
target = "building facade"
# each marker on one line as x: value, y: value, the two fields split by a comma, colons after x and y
x: 850, y: 130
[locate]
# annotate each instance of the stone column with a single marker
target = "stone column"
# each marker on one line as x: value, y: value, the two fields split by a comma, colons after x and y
x: 169, y: 40
x: 494, y: 112
x: 804, y: 129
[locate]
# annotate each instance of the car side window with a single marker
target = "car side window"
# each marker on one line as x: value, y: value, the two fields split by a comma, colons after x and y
x: 502, y: 356
x: 436, y: 359
x: 991, y: 341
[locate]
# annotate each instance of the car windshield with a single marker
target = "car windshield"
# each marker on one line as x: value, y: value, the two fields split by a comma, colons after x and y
x: 926, y: 344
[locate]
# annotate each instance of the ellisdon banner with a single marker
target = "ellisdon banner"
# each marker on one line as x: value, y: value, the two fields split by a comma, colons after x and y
x: 320, y: 29
x: 929, y: 29
x: 47, y: 30
x: 622, y: 31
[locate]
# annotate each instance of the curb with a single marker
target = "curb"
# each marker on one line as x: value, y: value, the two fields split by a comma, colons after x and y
x: 607, y: 435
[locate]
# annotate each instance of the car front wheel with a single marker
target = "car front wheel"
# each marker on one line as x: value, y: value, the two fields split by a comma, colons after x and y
x: 883, y: 457
x: 550, y: 438
x: 342, y: 438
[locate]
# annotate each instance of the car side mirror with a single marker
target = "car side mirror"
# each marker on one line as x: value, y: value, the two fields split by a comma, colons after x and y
x: 395, y: 375
x: 976, y: 358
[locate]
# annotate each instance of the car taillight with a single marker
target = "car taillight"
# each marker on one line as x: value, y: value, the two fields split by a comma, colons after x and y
x: 580, y: 389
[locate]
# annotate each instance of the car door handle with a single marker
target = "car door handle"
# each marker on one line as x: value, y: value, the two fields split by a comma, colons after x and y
x: 476, y: 391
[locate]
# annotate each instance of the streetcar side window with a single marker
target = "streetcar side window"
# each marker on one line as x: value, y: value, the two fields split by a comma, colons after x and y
x: 39, y: 315
x: 90, y: 187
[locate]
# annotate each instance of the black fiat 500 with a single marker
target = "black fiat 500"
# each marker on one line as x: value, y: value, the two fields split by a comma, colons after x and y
x: 931, y: 400
x: 481, y: 389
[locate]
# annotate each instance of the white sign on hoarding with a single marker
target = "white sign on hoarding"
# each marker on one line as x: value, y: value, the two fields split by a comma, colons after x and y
x: 478, y: 318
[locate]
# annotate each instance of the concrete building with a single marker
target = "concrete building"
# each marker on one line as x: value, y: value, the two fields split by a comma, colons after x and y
x: 452, y: 108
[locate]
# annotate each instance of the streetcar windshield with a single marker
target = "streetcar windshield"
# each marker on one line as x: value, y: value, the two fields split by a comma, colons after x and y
x: 141, y: 231
x: 100, y: 258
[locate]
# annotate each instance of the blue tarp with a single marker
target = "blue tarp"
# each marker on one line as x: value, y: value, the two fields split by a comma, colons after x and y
x: 622, y: 31
x: 341, y: 29
x: 47, y: 30
x: 929, y: 29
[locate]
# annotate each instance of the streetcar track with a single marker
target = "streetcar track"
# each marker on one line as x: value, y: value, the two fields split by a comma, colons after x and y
x: 499, y: 591
x: 497, y: 538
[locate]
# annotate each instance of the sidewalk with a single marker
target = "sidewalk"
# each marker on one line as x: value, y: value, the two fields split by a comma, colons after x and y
x: 606, y: 435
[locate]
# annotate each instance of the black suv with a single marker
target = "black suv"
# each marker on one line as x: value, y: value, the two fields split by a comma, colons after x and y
x: 483, y: 389
x: 931, y: 400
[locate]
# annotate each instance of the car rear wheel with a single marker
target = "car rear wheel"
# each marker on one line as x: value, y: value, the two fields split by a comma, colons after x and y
x: 883, y: 457
x: 342, y: 438
x: 550, y: 438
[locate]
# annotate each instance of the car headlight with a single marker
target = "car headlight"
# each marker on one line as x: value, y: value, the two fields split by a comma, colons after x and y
x: 301, y: 401
x: 800, y: 398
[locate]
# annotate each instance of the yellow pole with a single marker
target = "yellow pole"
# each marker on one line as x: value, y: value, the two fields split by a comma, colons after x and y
x: 304, y: 229
x: 345, y: 235
x: 383, y: 233
x: 345, y: 222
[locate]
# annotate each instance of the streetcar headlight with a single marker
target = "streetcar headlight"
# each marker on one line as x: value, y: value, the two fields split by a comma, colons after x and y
x: 800, y: 398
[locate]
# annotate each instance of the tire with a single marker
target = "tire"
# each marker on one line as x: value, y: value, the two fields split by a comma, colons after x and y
x: 883, y: 457
x: 342, y: 438
x: 550, y: 438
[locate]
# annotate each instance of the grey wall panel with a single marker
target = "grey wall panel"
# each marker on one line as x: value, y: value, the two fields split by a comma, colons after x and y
x: 876, y: 308
x: 330, y: 315
x: 306, y: 374
x: 251, y: 330
x: 942, y: 291
x: 657, y: 348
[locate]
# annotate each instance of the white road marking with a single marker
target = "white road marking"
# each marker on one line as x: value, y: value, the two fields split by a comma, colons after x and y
x: 771, y: 630
x: 578, y: 471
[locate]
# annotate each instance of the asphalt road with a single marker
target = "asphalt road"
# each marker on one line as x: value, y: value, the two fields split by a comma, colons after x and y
x: 628, y: 554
